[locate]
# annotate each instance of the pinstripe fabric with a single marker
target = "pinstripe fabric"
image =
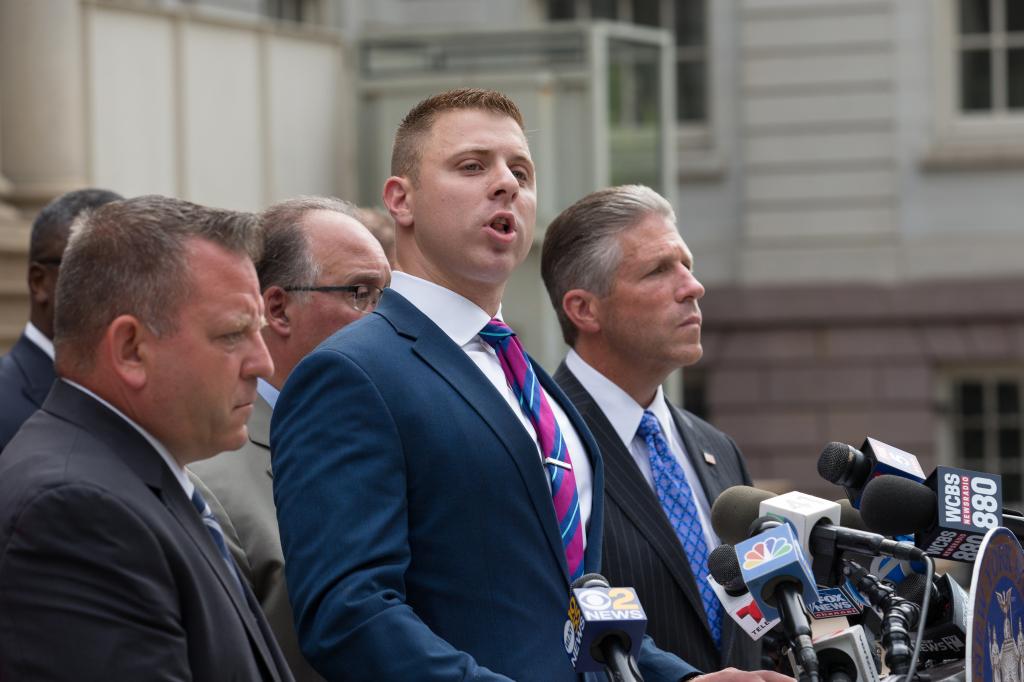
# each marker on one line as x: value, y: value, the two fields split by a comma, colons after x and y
x: 640, y: 547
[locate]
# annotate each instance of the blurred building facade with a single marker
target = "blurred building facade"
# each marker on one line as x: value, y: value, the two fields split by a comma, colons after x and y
x: 849, y: 173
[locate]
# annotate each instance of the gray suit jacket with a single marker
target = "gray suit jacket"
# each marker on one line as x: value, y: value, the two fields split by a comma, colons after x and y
x: 238, y: 486
x: 640, y: 546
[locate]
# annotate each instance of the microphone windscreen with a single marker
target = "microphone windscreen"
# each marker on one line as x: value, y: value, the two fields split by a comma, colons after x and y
x: 912, y: 588
x: 734, y: 511
x: 893, y: 505
x: 723, y: 564
x: 590, y: 580
x: 850, y: 517
x: 834, y: 461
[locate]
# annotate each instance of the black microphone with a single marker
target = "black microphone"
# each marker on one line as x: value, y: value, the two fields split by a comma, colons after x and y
x: 851, y: 468
x: 945, y: 634
x: 604, y: 629
x: 814, y: 520
x: 948, y: 515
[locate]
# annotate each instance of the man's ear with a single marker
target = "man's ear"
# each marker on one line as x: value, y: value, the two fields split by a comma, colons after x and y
x: 37, y: 288
x: 398, y: 198
x: 129, y: 346
x: 583, y: 309
x: 275, y: 309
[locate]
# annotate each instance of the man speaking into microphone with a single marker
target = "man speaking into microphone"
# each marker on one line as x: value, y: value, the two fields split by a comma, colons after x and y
x: 621, y: 280
x: 437, y: 494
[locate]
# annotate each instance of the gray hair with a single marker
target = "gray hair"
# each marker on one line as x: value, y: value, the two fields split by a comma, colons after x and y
x: 581, y: 249
x: 287, y: 258
x: 129, y: 258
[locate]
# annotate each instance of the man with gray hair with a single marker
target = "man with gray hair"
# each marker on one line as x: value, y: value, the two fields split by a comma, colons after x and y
x: 621, y: 280
x: 321, y: 269
x: 114, y: 567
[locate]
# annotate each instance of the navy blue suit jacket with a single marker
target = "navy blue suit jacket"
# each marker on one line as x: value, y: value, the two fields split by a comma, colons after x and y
x: 26, y: 375
x: 419, y: 536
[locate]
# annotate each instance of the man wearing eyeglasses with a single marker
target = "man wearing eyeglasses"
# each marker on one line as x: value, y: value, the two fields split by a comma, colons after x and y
x: 26, y: 373
x: 321, y: 270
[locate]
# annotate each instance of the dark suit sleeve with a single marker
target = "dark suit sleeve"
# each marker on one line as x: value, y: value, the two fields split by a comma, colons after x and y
x: 340, y: 490
x: 661, y: 666
x: 86, y: 593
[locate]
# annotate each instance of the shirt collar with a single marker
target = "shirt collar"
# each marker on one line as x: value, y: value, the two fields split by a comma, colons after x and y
x: 622, y: 411
x: 165, y: 454
x: 33, y: 334
x: 456, y: 315
x: 267, y: 392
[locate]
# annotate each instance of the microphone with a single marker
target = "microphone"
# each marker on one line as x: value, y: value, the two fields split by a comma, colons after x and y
x: 851, y: 468
x: 846, y: 656
x: 814, y: 520
x: 886, y: 568
x: 949, y: 514
x: 726, y: 580
x: 945, y: 634
x: 604, y: 629
x: 777, y: 575
x: 729, y: 525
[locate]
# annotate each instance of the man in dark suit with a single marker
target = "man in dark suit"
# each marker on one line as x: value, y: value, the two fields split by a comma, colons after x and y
x: 431, y: 525
x: 621, y: 280
x: 113, y: 567
x: 321, y: 269
x: 26, y: 373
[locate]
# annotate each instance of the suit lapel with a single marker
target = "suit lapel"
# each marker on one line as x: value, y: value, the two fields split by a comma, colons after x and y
x: 631, y: 492
x: 259, y: 426
x: 185, y: 514
x: 696, y: 447
x: 711, y: 480
x: 139, y: 456
x: 451, y: 363
x: 37, y: 368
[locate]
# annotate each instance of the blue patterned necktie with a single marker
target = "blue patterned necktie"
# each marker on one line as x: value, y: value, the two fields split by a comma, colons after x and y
x: 210, y: 521
x: 676, y: 499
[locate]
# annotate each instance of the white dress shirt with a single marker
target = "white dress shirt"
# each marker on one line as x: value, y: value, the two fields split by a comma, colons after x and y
x: 165, y: 454
x: 267, y: 392
x: 33, y: 334
x: 625, y: 414
x: 462, y: 320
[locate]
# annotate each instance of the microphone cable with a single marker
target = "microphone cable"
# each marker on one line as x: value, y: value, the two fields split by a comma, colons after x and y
x: 897, y: 612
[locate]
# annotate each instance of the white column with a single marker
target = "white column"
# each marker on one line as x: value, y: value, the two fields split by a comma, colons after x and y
x: 42, y: 106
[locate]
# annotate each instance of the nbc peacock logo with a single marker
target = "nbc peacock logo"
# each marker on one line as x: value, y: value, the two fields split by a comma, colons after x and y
x: 766, y: 550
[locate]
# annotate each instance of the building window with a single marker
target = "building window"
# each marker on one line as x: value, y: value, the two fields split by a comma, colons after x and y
x: 990, y: 56
x: 695, y: 396
x: 988, y: 426
x: 299, y: 11
x: 686, y: 18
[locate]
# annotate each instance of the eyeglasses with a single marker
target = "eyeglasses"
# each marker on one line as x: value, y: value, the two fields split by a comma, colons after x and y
x: 48, y: 261
x: 362, y: 297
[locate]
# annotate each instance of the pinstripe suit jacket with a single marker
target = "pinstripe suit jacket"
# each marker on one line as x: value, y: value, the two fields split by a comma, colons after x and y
x: 641, y: 549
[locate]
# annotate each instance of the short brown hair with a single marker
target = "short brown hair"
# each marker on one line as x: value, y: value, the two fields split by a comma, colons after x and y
x: 130, y: 258
x: 405, y: 155
x: 581, y: 249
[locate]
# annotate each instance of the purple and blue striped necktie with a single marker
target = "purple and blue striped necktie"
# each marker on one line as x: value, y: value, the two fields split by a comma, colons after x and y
x: 523, y: 382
